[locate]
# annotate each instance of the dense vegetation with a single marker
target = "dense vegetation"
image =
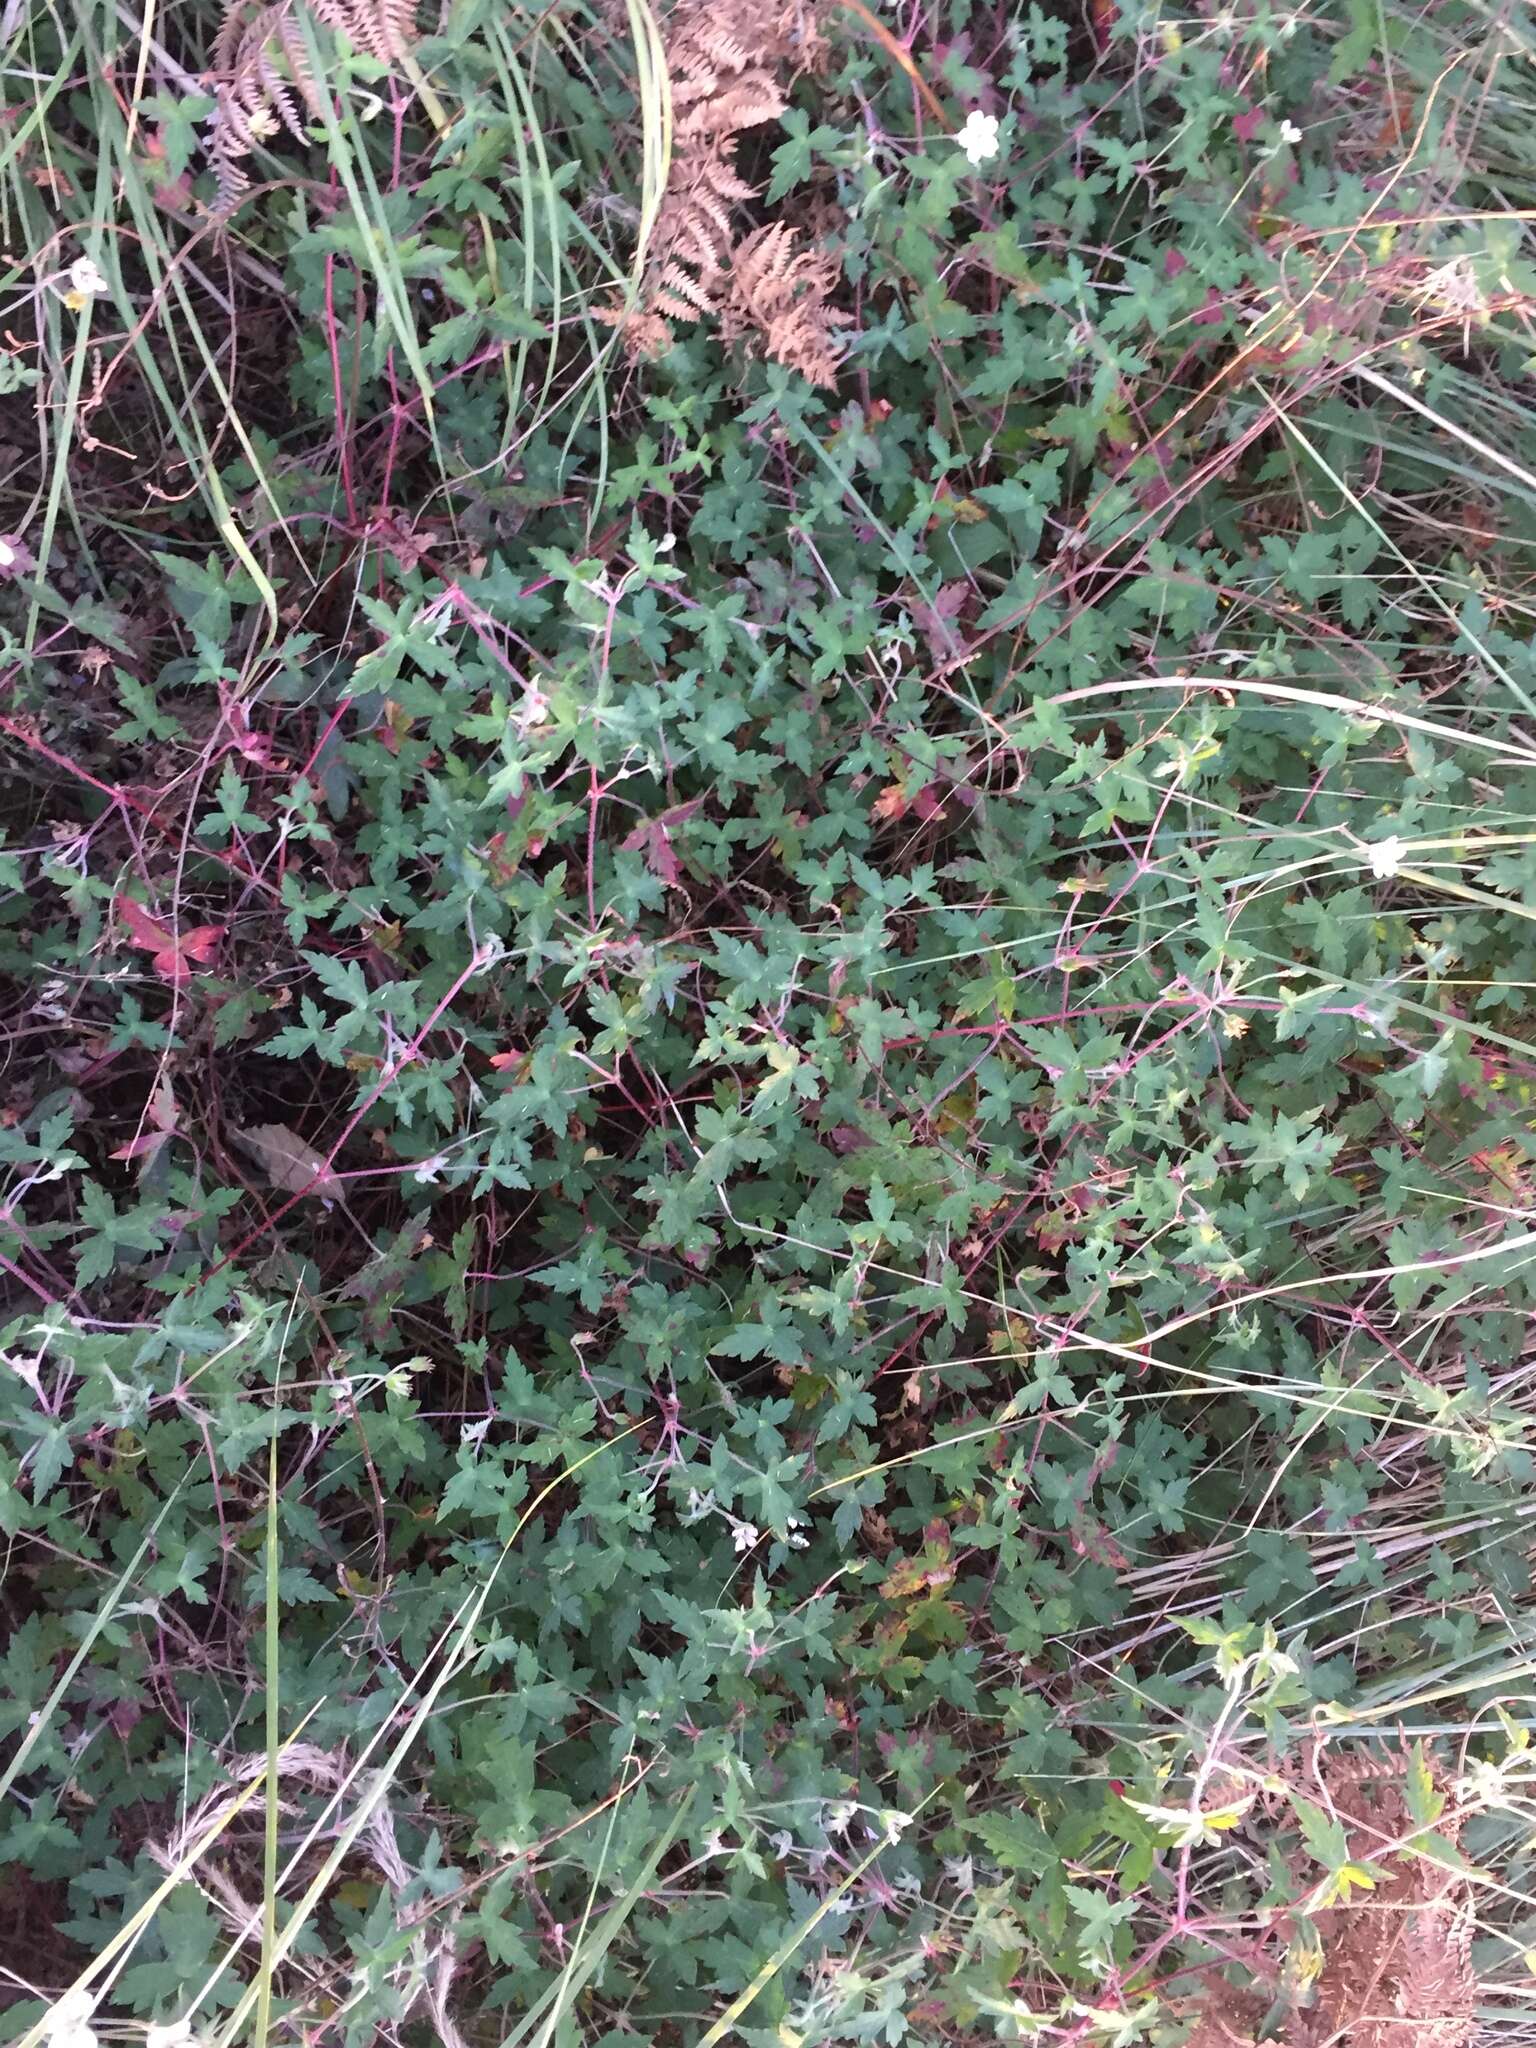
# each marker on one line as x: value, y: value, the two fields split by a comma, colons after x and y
x: 769, y: 790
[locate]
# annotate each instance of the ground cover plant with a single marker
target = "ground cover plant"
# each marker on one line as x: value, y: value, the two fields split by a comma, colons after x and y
x: 769, y: 802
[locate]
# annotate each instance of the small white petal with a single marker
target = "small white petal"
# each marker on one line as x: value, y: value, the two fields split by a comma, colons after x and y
x: 86, y: 279
x: 1290, y: 133
x: 1386, y: 857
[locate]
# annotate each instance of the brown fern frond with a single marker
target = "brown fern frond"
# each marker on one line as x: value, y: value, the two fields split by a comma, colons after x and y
x: 729, y: 65
x: 677, y: 284
x: 277, y: 93
x: 1395, y: 1968
x: 1397, y: 1964
x: 231, y: 179
x: 384, y: 29
x: 300, y: 64
x: 262, y: 71
x: 748, y: 103
x: 778, y: 302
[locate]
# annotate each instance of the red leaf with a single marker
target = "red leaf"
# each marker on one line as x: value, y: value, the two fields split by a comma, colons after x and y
x: 141, y: 1146
x: 1213, y: 308
x: 173, y: 955
x: 935, y: 621
x: 652, y: 838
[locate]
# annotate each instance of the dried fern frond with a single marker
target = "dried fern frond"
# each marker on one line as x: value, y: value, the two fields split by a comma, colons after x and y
x: 694, y: 225
x: 729, y: 66
x: 385, y: 29
x: 262, y: 72
x: 778, y: 302
x: 1397, y: 1969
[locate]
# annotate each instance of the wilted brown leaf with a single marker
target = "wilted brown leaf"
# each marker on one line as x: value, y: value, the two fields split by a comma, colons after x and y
x: 290, y: 1164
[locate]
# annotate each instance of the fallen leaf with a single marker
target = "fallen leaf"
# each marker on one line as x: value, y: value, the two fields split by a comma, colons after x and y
x: 162, y: 1114
x: 144, y: 1146
x: 293, y: 1166
x: 173, y: 954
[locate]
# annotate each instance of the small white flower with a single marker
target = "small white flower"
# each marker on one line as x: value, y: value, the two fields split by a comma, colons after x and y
x: 744, y: 1535
x: 86, y: 279
x: 533, y: 709
x: 10, y: 555
x: 1290, y: 134
x: 666, y: 544
x: 1386, y: 857
x: 978, y: 138
x: 429, y: 1169
x: 837, y: 1817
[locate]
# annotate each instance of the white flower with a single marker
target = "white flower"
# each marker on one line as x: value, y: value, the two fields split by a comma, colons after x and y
x: 978, y: 138
x: 744, y: 1535
x: 1386, y: 857
x: 1290, y: 134
x: 10, y: 555
x: 86, y: 279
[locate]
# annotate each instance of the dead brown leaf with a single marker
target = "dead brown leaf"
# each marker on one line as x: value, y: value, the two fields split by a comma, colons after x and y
x: 290, y: 1164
